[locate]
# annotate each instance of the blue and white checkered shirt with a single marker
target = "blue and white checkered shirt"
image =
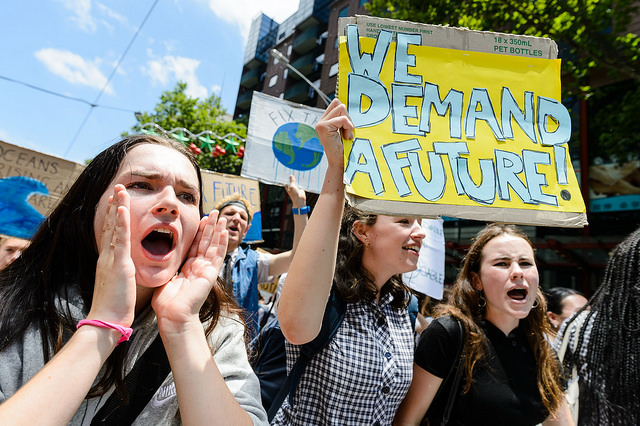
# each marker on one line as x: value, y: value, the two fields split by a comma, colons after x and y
x: 573, y: 333
x: 361, y: 377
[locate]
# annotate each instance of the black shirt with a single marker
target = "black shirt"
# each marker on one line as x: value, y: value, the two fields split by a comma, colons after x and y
x: 504, y: 389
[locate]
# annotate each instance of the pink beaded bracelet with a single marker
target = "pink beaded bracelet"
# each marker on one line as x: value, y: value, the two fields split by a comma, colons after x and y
x: 126, y: 331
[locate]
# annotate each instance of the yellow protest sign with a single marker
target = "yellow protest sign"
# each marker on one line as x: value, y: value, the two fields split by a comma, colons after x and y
x: 216, y: 186
x: 459, y: 133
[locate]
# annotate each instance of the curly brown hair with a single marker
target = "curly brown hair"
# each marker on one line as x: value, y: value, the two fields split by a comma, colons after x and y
x: 236, y: 196
x: 465, y: 304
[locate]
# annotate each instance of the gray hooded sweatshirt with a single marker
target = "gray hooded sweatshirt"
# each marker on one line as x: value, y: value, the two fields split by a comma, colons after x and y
x: 22, y: 360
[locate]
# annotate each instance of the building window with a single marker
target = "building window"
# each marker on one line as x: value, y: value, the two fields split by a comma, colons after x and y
x: 285, y: 73
x: 344, y: 12
x: 335, y: 43
x: 289, y: 50
x: 363, y: 2
x: 333, y: 70
x: 273, y: 80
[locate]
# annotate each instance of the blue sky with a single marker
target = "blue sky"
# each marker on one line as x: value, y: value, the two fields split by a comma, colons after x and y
x: 71, y: 47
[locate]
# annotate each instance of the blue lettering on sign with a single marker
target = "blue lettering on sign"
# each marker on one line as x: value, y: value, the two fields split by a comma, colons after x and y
x: 543, y: 120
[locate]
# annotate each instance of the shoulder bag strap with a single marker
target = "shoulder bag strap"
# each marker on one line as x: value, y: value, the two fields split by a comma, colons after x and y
x: 572, y: 392
x: 142, y: 382
x: 459, y: 366
x: 565, y: 343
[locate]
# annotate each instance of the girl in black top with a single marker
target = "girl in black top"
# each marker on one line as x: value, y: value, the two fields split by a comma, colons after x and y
x: 510, y: 375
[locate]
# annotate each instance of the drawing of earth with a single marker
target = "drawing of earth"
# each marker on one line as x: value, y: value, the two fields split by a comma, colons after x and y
x: 296, y: 145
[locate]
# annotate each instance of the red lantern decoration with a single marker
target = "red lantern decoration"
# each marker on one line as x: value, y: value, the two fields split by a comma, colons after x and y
x: 218, y: 151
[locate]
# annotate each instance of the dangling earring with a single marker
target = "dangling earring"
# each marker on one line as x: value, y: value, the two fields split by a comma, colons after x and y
x: 535, y: 304
x: 482, y: 302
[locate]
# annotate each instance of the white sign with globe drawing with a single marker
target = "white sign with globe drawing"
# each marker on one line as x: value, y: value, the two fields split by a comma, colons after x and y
x: 282, y: 141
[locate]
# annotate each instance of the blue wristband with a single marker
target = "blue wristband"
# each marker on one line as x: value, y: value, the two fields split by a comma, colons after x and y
x: 301, y: 210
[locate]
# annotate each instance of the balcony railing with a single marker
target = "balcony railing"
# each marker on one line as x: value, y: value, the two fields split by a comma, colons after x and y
x: 306, y: 40
x: 244, y: 100
x: 306, y: 64
x: 250, y: 78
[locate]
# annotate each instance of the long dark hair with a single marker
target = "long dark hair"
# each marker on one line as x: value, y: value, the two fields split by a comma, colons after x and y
x: 556, y: 295
x: 63, y: 254
x: 610, y: 370
x: 465, y: 304
x: 352, y: 281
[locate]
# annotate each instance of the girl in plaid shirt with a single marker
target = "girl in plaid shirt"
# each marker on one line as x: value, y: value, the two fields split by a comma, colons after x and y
x: 363, y: 374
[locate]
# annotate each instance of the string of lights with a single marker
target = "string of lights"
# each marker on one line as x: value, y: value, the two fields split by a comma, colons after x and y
x: 199, y: 143
x: 113, y: 72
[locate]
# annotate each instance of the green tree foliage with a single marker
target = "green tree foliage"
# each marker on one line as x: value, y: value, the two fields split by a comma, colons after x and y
x: 176, y: 110
x: 613, y: 122
x: 590, y: 33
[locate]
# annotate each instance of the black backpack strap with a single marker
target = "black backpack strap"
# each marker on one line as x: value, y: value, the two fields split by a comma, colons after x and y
x: 269, y: 362
x: 267, y: 315
x: 142, y: 382
x: 333, y: 316
x: 279, y: 399
x: 413, y: 309
x: 458, y: 367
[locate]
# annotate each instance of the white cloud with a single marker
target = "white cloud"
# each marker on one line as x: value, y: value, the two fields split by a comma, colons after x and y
x: 85, y: 19
x: 216, y: 88
x: 181, y: 69
x: 170, y: 45
x: 110, y: 13
x: 73, y: 68
x: 242, y: 12
x: 82, y: 10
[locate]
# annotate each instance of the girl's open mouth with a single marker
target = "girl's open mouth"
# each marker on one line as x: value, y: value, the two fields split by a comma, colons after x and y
x: 413, y: 249
x: 518, y: 294
x: 159, y: 242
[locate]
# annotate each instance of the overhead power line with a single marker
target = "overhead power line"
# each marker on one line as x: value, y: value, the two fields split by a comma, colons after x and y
x: 71, y: 98
x: 106, y: 84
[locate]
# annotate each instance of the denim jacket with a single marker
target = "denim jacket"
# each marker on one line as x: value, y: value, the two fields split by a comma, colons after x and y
x: 245, y: 285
